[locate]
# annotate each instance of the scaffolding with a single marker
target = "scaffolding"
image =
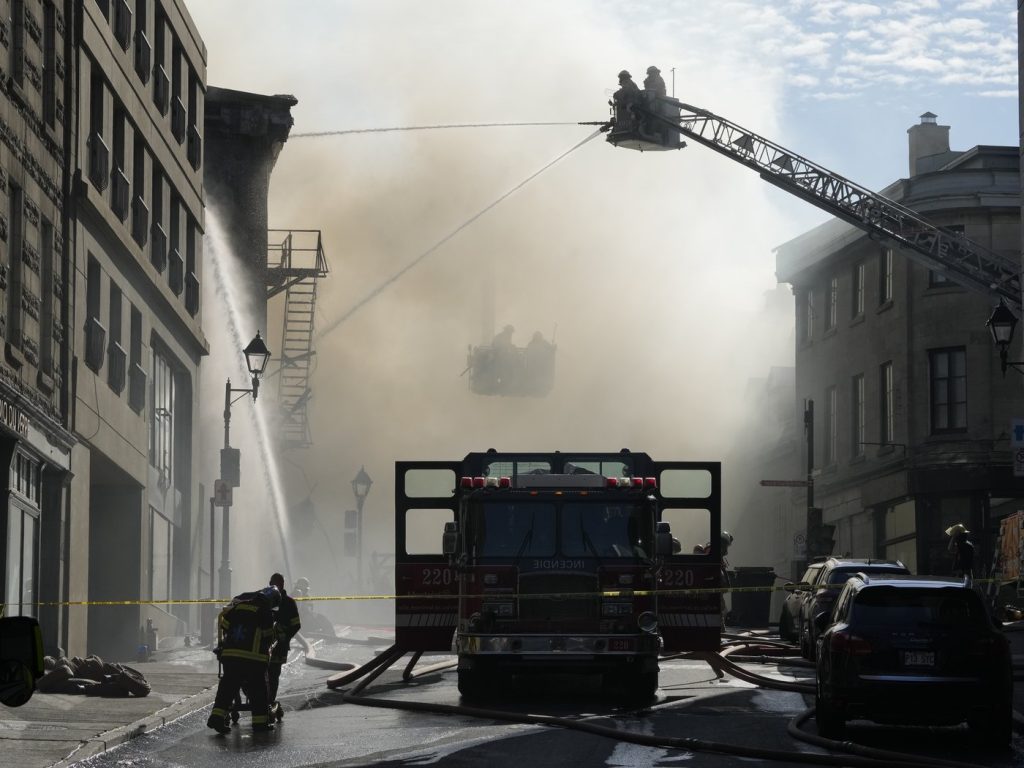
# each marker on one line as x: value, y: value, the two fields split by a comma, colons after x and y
x: 295, y: 262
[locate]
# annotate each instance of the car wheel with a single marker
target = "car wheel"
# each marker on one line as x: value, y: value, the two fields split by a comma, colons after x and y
x: 786, y: 626
x: 831, y: 720
x: 805, y: 649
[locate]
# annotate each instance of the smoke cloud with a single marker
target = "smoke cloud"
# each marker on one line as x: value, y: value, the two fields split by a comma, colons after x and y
x: 649, y: 269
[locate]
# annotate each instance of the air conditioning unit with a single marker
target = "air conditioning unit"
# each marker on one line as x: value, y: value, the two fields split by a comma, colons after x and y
x: 117, y: 361
x: 95, y: 340
x: 161, y: 89
x: 176, y: 275
x: 195, y: 147
x: 123, y: 23
x: 143, y: 56
x: 140, y: 220
x: 99, y: 161
x: 137, y: 388
x: 158, y: 250
x: 119, y: 198
x: 192, y: 293
x: 178, y: 119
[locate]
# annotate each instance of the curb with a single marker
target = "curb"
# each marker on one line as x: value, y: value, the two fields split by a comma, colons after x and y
x: 125, y: 733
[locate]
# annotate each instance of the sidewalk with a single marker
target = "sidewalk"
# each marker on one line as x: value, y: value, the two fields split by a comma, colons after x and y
x: 56, y: 729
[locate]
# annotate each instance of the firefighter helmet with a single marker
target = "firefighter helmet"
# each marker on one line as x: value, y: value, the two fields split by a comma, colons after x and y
x: 625, y: 73
x: 301, y: 586
x: 652, y: 70
x: 272, y: 596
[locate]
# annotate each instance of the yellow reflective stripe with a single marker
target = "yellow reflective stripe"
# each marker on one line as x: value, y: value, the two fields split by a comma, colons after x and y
x: 295, y: 622
x: 246, y: 607
x: 259, y: 719
x: 237, y: 653
x: 218, y: 712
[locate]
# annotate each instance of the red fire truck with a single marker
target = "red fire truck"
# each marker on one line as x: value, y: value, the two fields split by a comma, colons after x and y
x: 558, y: 562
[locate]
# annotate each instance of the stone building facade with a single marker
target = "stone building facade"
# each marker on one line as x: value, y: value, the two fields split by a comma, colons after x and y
x: 35, y: 304
x: 912, y: 414
x: 136, y: 238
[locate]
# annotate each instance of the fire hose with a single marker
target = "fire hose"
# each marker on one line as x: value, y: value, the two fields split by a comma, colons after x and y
x: 857, y: 756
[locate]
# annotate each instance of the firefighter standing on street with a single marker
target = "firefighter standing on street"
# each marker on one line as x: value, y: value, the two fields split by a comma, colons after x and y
x: 246, y: 630
x: 286, y: 626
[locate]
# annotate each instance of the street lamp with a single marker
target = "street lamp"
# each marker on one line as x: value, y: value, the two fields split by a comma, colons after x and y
x: 361, y: 488
x: 256, y: 358
x: 1002, y: 324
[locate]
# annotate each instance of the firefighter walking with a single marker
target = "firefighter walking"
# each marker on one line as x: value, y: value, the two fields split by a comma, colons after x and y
x: 286, y: 626
x: 246, y: 630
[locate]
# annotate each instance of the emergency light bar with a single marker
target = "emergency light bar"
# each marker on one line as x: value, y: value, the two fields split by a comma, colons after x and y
x: 573, y: 481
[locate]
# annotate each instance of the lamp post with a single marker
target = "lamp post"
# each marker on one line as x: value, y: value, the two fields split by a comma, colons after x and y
x: 256, y: 358
x: 361, y: 488
x: 1002, y: 324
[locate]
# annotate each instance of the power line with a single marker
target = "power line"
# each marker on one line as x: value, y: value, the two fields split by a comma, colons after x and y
x: 316, y: 134
x: 380, y: 288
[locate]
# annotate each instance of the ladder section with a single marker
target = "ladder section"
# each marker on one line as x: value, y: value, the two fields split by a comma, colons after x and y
x: 295, y: 262
x: 961, y: 260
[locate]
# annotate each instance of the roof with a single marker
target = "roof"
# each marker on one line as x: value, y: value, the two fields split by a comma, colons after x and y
x: 912, y: 581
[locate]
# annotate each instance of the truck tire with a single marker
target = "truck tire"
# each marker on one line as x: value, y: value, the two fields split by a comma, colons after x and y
x: 630, y: 686
x: 474, y: 683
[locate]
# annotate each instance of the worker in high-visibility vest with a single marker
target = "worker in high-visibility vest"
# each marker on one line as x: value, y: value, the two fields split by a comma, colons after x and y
x: 246, y: 631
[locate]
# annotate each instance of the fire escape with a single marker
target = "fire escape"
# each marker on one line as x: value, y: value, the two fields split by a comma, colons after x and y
x: 295, y: 262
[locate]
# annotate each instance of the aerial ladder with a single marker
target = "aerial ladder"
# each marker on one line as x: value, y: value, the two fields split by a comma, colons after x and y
x: 655, y: 123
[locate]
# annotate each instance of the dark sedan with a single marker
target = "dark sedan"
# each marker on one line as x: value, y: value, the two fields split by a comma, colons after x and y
x: 913, y: 650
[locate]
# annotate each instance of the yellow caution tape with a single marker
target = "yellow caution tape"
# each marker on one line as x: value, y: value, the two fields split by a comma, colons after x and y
x: 620, y: 593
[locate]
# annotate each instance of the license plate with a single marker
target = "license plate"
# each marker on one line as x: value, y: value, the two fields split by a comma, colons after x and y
x: 919, y: 658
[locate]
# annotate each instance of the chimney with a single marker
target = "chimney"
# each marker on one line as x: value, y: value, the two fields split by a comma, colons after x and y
x: 927, y: 139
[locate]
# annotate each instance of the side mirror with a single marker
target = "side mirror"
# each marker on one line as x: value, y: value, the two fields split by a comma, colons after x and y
x: 663, y: 540
x: 822, y: 621
x: 450, y: 538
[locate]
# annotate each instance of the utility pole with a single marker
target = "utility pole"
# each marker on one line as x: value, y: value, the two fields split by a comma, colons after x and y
x: 814, y: 518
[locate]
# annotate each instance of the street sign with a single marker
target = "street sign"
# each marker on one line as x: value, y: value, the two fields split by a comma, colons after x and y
x: 221, y: 493
x: 1018, y: 462
x: 786, y: 483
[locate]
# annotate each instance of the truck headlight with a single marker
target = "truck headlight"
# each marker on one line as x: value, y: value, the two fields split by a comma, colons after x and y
x: 616, y: 609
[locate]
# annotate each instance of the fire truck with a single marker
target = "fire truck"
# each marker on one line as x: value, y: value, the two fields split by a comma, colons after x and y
x: 558, y: 562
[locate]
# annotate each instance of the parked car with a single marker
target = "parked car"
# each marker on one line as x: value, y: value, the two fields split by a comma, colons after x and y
x: 913, y: 650
x: 789, y: 619
x: 830, y: 583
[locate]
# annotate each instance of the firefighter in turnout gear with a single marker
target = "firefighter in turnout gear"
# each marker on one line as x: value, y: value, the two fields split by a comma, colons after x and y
x: 286, y: 626
x: 246, y: 631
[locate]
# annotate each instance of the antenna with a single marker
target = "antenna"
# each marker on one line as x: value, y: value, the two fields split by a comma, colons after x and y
x: 673, y: 82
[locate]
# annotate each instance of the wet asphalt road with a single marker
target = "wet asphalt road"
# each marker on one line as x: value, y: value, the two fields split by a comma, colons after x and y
x: 321, y: 729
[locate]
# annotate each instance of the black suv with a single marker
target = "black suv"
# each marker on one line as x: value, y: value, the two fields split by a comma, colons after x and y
x: 913, y: 650
x: 820, y: 597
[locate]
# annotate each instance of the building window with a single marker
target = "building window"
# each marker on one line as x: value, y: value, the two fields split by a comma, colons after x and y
x: 899, y: 534
x: 947, y: 372
x: 15, y: 239
x: 888, y: 405
x: 161, y: 420
x: 136, y: 373
x: 831, y: 425
x: 808, y: 315
x: 885, y: 276
x: 858, y: 289
x: 833, y: 302
x: 17, y: 68
x: 161, y: 542
x: 46, y: 289
x: 49, y: 64
x: 857, y: 420
x: 116, y: 358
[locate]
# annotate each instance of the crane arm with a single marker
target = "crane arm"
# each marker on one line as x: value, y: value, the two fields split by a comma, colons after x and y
x: 961, y: 260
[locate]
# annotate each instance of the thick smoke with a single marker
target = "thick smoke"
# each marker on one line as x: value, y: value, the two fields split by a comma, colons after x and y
x: 652, y: 267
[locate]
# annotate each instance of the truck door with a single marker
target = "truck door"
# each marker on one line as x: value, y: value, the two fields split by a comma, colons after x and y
x: 689, y: 600
x: 426, y: 588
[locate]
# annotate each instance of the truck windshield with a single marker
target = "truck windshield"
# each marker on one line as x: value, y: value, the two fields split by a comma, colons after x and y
x: 573, y: 529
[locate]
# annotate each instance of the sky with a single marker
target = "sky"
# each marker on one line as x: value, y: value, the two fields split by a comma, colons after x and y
x: 651, y: 271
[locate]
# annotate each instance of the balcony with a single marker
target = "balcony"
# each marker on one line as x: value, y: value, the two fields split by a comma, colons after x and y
x: 178, y: 119
x: 143, y: 56
x: 140, y: 221
x: 176, y: 275
x: 195, y: 147
x: 116, y: 362
x: 122, y: 23
x: 95, y: 340
x: 99, y: 161
x: 158, y: 251
x: 161, y: 89
x: 120, y: 194
x: 192, y: 293
x: 137, y: 388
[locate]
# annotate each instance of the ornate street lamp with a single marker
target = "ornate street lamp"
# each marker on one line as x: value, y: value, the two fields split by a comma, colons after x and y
x: 256, y: 358
x: 1002, y: 324
x: 361, y: 488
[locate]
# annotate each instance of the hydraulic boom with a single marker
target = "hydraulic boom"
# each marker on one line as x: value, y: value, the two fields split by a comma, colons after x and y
x: 961, y: 260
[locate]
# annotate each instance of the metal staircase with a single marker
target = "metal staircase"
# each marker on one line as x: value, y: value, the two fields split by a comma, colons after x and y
x: 295, y: 262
